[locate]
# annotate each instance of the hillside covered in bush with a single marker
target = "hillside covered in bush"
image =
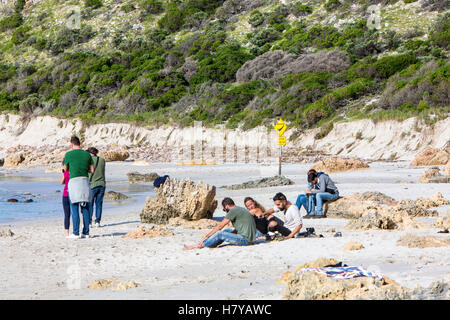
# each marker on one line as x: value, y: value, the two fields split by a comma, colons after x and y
x: 235, y: 62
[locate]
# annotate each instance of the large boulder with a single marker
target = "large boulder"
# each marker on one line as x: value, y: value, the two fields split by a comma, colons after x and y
x: 13, y: 159
x: 431, y: 157
x: 180, y: 198
x: 336, y: 164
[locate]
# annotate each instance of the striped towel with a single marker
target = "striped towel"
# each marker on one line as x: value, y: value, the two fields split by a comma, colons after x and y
x: 343, y: 272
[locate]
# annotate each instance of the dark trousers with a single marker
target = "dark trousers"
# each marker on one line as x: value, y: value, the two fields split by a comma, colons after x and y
x: 281, y: 229
x: 97, y: 200
x: 66, y: 207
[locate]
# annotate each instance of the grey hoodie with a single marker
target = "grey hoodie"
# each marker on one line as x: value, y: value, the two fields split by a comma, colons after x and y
x: 325, y: 184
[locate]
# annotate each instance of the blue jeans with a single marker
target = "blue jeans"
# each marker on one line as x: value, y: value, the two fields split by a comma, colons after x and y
x: 321, y: 197
x: 225, y: 235
x: 97, y: 199
x: 307, y: 202
x: 76, y: 218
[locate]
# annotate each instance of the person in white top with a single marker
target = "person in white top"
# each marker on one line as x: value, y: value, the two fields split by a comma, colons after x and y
x: 292, y: 218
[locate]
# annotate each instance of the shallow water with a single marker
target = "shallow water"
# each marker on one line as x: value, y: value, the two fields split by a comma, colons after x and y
x: 46, y: 193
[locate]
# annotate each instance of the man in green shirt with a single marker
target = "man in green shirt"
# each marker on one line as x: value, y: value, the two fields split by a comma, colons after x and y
x: 79, y: 163
x: 243, y: 223
x: 97, y: 184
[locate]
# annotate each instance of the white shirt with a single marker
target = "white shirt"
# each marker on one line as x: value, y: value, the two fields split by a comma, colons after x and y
x: 292, y: 217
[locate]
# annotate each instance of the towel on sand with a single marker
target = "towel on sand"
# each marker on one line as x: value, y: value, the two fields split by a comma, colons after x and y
x: 79, y: 190
x: 343, y: 272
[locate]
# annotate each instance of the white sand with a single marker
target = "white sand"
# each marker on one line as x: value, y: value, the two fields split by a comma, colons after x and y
x: 38, y: 263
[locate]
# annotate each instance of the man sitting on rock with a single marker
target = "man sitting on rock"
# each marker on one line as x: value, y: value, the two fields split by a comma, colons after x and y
x: 292, y: 218
x: 324, y: 190
x: 244, y: 232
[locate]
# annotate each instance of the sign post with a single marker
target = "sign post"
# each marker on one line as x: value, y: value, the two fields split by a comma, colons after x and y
x: 281, y: 127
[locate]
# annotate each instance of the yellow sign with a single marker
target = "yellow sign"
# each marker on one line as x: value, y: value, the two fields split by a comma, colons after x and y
x: 281, y: 141
x: 280, y: 126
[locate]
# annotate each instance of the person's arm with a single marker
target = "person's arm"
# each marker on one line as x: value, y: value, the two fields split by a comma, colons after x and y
x: 91, y: 168
x: 63, y: 180
x: 322, y: 186
x: 219, y: 227
x: 294, y: 232
x: 268, y: 212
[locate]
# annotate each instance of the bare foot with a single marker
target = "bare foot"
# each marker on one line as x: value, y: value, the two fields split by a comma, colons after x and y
x: 186, y: 247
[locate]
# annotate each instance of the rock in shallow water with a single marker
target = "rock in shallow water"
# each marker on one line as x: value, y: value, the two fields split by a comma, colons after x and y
x: 112, y: 195
x: 134, y: 177
x: 262, y: 183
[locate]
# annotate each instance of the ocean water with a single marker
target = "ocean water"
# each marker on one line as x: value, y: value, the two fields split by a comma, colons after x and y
x: 46, y: 193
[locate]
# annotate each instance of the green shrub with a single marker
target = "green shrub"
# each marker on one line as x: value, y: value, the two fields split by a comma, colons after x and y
x: 11, y: 22
x: 173, y: 20
x: 440, y: 34
x: 222, y: 66
x: 264, y: 36
x: 332, y: 5
x: 256, y: 19
x: 389, y: 65
x: 300, y: 9
x: 151, y: 6
x: 20, y: 34
x: 93, y: 4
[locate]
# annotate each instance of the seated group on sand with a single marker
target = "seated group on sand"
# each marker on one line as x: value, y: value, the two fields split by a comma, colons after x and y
x: 254, y: 222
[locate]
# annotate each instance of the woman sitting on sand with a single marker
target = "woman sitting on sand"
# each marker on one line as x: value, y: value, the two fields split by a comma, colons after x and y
x: 262, y: 223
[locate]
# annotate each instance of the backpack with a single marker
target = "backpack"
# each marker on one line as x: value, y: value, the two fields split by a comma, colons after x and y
x: 159, y: 181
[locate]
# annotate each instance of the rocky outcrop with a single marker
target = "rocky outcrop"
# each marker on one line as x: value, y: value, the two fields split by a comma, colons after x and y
x: 136, y: 177
x: 6, y: 233
x: 262, y: 183
x: 433, y: 175
x: 339, y: 164
x: 149, y: 232
x: 414, y: 209
x: 360, y: 204
x: 417, y: 241
x: 443, y: 222
x: 311, y: 285
x: 115, y: 196
x: 353, y: 246
x: 180, y: 198
x: 435, y: 200
x: 13, y: 159
x: 114, y: 155
x: 446, y: 168
x: 432, y: 157
x: 112, y: 284
x: 354, y: 206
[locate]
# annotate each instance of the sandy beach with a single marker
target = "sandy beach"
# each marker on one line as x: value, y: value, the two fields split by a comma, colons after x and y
x: 39, y: 263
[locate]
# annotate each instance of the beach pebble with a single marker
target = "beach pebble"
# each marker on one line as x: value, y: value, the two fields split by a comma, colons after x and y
x: 12, y: 200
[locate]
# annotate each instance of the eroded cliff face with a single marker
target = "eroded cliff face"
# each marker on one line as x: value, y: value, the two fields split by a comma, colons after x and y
x: 365, y: 139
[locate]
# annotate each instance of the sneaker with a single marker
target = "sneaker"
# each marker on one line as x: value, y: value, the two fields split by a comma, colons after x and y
x: 73, y: 236
x: 85, y: 236
x: 97, y: 224
x: 308, y: 216
x: 319, y: 217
